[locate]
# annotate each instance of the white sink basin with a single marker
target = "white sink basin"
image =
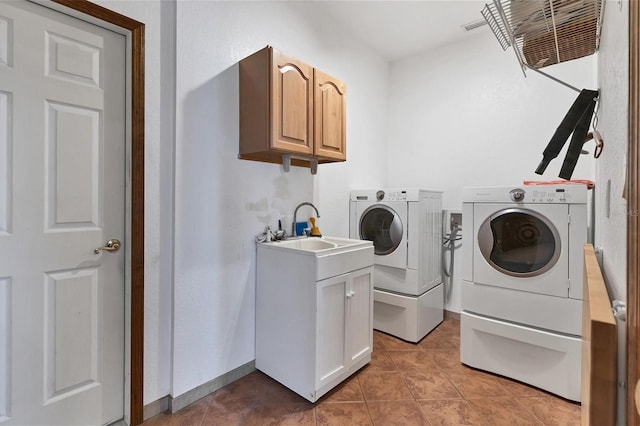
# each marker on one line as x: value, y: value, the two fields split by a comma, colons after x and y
x: 319, y: 246
x: 322, y: 257
x: 312, y: 244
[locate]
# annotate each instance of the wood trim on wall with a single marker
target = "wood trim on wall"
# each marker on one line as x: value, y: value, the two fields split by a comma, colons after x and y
x: 633, y: 217
x: 599, y: 347
x: 137, y: 30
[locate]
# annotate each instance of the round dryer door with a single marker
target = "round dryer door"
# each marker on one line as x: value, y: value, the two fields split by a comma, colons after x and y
x: 519, y: 242
x: 381, y: 225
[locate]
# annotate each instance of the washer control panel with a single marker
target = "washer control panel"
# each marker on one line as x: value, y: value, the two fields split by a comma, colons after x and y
x: 538, y: 196
x: 395, y: 196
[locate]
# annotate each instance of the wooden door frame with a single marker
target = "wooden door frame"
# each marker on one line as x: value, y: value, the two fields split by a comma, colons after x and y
x: 136, y: 32
x: 633, y: 216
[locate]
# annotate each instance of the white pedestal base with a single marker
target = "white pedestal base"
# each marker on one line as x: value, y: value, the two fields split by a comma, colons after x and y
x: 550, y: 361
x: 408, y: 317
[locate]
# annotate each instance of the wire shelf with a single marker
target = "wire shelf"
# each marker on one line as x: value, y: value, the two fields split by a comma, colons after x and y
x: 546, y: 32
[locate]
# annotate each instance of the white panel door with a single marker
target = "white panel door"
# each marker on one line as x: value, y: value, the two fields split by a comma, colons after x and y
x: 62, y: 194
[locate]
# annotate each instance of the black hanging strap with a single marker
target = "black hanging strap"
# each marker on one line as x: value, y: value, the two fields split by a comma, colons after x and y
x: 578, y: 112
x: 577, y: 140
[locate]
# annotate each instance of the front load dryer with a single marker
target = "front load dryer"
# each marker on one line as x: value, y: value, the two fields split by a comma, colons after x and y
x: 405, y: 228
x: 522, y: 283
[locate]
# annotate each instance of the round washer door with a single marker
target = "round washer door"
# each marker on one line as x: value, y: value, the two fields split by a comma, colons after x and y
x: 519, y: 242
x: 381, y: 225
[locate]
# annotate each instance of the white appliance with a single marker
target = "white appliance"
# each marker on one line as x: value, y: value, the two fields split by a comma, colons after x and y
x: 405, y: 228
x: 522, y: 283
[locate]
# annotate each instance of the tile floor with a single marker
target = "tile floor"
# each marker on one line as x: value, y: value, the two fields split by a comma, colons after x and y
x: 405, y: 384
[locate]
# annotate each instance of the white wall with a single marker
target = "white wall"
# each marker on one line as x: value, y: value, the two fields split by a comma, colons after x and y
x: 611, y: 229
x: 159, y: 20
x: 613, y: 79
x: 464, y: 115
x: 221, y: 202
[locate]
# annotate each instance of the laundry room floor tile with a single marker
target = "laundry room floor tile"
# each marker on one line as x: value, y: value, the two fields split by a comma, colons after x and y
x: 380, y: 361
x: 552, y: 411
x: 519, y: 389
x: 441, y: 339
x: 391, y: 343
x: 413, y: 360
x: 383, y: 386
x: 262, y: 413
x: 475, y: 384
x: 378, y: 341
x: 448, y: 359
x: 451, y: 412
x: 398, y: 413
x: 450, y: 326
x: 502, y: 412
x: 404, y: 384
x: 347, y: 391
x: 430, y: 385
x: 343, y: 413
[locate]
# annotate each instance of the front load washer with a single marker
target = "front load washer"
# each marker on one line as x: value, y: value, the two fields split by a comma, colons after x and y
x: 404, y: 226
x: 522, y: 283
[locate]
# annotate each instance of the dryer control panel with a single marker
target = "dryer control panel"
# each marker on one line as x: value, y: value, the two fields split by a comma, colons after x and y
x: 538, y: 194
x: 557, y: 196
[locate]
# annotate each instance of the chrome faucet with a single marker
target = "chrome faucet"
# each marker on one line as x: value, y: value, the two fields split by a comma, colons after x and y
x: 295, y: 213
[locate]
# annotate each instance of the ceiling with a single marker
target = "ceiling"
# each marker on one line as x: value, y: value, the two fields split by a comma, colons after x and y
x: 397, y: 29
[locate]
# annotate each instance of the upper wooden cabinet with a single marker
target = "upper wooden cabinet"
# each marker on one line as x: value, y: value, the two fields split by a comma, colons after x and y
x: 288, y: 107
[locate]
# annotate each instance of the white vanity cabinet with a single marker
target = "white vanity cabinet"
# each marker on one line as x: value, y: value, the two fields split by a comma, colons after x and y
x: 314, y: 315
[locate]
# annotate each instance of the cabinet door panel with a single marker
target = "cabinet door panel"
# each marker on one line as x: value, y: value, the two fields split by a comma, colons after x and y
x: 360, y: 315
x: 292, y: 107
x: 331, y: 329
x: 330, y: 116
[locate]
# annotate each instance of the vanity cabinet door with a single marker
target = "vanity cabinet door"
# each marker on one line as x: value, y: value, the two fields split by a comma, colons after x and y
x: 331, y: 330
x: 292, y: 105
x: 359, y: 313
x: 330, y: 116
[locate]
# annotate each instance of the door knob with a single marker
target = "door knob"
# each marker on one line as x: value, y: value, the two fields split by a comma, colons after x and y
x: 112, y: 246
